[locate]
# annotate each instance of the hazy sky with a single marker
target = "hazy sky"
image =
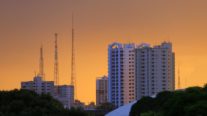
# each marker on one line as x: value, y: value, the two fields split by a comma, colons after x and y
x: 26, y: 24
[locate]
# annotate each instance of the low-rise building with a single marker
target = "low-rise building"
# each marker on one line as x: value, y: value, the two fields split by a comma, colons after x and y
x: 63, y: 93
x: 39, y: 86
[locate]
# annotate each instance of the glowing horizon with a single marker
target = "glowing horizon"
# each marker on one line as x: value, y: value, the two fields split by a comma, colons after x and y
x: 25, y: 25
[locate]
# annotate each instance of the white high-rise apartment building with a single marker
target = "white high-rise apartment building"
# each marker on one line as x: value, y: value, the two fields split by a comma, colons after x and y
x: 121, y: 73
x: 155, y: 69
x: 101, y: 90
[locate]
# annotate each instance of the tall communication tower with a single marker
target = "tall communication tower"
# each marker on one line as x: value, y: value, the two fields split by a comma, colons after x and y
x: 56, y: 68
x: 73, y: 80
x: 41, y: 64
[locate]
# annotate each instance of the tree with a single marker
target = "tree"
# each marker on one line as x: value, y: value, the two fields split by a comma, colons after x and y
x: 28, y: 103
x: 189, y: 102
x: 106, y: 106
x: 197, y: 109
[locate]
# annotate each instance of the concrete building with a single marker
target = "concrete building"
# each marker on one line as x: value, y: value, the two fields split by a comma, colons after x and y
x: 121, y: 73
x: 101, y: 90
x: 39, y: 86
x: 155, y: 69
x: 63, y: 93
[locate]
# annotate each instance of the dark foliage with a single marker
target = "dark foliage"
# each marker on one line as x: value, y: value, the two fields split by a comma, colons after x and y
x: 103, y: 109
x: 28, y: 103
x: 189, y: 102
x: 106, y: 107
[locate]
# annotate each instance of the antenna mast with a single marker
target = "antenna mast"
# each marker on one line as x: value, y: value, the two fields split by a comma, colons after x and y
x: 41, y: 65
x: 56, y: 68
x: 73, y: 80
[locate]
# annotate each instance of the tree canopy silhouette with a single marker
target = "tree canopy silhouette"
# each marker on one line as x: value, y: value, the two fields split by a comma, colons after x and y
x: 189, y: 102
x: 28, y: 103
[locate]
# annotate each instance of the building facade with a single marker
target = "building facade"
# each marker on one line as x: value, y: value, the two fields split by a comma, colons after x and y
x: 121, y: 73
x: 101, y: 90
x: 39, y: 86
x: 155, y: 69
x: 63, y: 93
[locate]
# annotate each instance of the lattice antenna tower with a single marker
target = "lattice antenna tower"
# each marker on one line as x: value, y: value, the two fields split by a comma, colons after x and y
x: 73, y: 78
x: 56, y: 63
x: 41, y: 63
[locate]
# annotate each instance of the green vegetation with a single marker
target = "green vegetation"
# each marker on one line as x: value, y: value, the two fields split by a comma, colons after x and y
x: 28, y: 103
x: 107, y: 107
x: 189, y: 102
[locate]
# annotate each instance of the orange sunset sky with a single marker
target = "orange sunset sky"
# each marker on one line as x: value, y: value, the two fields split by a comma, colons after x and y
x: 26, y: 24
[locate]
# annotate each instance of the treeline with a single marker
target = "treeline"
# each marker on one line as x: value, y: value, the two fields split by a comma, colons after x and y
x: 28, y: 103
x: 189, y: 102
